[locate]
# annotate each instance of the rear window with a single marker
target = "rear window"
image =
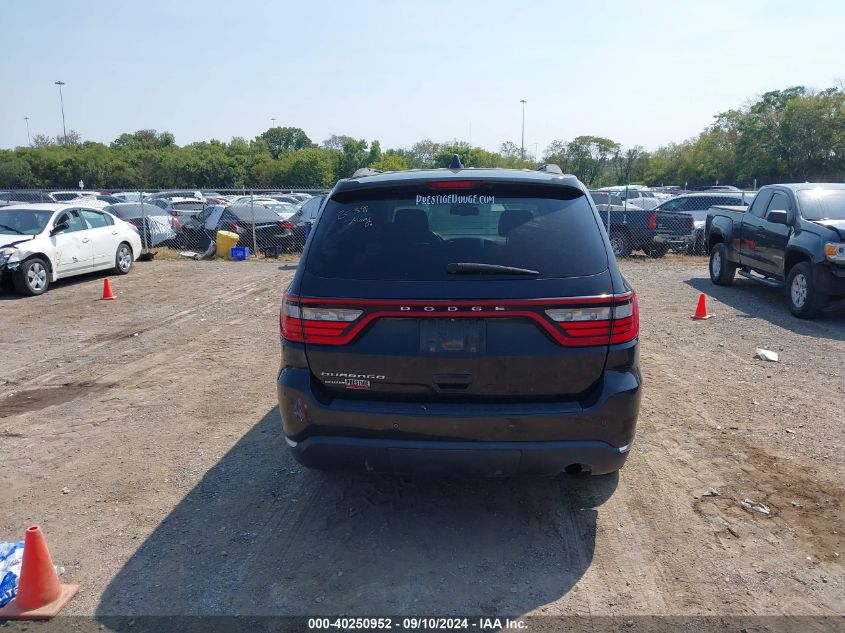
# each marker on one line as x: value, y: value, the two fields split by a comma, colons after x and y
x: 415, y: 234
x: 188, y: 206
x: 258, y: 212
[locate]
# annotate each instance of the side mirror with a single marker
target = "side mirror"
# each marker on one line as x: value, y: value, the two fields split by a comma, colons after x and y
x: 778, y: 217
x: 61, y: 226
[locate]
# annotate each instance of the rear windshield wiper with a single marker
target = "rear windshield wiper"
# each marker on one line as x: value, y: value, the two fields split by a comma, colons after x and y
x: 458, y: 268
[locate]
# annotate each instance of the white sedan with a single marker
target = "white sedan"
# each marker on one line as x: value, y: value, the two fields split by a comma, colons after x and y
x: 40, y: 243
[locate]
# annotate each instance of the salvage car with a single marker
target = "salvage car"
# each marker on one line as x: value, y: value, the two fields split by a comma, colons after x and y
x: 40, y: 243
x: 266, y: 222
x: 155, y: 225
x: 792, y: 237
x: 460, y: 320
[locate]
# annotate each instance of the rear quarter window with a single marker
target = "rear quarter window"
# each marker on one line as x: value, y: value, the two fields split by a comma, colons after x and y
x: 415, y: 233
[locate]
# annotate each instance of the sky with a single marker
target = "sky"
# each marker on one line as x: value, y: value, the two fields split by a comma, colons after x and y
x: 641, y: 73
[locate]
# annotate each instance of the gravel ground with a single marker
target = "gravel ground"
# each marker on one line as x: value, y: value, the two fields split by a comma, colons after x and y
x: 142, y: 435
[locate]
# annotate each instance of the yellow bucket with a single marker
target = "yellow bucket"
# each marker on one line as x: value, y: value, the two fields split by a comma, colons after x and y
x: 225, y: 241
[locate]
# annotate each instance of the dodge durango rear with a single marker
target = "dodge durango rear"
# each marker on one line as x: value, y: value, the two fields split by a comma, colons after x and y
x: 460, y: 321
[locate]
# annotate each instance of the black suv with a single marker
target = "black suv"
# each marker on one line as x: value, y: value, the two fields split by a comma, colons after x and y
x: 469, y: 320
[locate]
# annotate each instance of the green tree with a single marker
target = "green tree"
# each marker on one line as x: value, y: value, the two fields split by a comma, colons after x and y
x: 375, y: 153
x: 422, y: 154
x: 309, y: 168
x: 336, y: 141
x: 391, y: 160
x: 282, y: 140
x: 352, y: 156
x: 42, y: 140
x: 588, y: 156
x: 144, y: 139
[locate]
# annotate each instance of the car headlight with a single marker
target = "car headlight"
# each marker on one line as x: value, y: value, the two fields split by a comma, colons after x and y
x: 4, y: 256
x: 835, y: 252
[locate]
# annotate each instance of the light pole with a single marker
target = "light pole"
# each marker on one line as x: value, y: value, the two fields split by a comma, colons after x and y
x: 28, y: 138
x: 522, y: 145
x: 274, y: 122
x: 62, y: 101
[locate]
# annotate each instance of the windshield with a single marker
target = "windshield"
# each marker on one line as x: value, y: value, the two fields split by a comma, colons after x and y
x: 22, y: 222
x: 822, y: 204
x: 422, y: 234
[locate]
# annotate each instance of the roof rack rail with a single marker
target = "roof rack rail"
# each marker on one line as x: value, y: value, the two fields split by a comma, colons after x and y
x: 365, y: 171
x: 550, y: 168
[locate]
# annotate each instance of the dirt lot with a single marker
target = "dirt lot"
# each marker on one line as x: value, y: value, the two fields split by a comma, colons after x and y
x: 143, y: 435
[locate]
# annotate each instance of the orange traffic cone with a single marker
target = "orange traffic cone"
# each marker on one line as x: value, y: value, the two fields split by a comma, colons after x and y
x: 40, y: 596
x: 107, y: 293
x: 701, y: 309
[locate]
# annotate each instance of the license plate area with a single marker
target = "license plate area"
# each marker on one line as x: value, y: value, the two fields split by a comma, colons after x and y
x: 453, y: 336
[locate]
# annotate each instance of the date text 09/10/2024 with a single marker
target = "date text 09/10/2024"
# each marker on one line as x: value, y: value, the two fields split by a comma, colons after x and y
x: 416, y: 623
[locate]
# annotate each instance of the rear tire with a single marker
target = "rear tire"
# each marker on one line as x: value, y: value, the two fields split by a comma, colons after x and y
x: 804, y: 301
x: 722, y: 272
x: 620, y: 243
x: 32, y: 277
x: 123, y: 259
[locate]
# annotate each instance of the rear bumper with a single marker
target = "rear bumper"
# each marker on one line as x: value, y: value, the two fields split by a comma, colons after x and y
x: 487, y: 459
x: 670, y: 240
x: 496, y: 438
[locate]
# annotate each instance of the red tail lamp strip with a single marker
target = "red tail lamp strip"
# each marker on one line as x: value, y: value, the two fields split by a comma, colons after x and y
x: 570, y: 334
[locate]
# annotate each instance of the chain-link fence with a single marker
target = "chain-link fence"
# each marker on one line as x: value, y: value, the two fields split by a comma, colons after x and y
x: 269, y: 223
x: 224, y: 222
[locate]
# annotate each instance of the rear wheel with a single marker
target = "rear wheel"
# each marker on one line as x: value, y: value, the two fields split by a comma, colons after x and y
x: 804, y: 301
x: 32, y: 277
x: 722, y: 272
x: 620, y: 243
x: 123, y: 259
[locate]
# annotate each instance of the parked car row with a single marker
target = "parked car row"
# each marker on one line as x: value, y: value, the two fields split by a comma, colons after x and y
x: 637, y: 219
x: 190, y: 219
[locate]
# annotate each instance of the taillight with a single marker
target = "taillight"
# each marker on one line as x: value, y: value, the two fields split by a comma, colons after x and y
x: 290, y: 320
x: 233, y: 226
x: 306, y: 324
x: 287, y: 226
x: 595, y: 325
x: 652, y: 221
x: 174, y: 213
x: 176, y: 224
x: 569, y: 321
x: 626, y: 321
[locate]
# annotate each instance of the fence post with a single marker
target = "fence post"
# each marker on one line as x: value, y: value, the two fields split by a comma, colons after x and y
x: 144, y: 225
x: 252, y: 209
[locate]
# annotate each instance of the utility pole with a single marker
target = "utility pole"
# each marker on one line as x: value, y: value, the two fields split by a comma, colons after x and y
x: 28, y: 138
x: 274, y: 122
x: 62, y: 101
x: 522, y: 145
